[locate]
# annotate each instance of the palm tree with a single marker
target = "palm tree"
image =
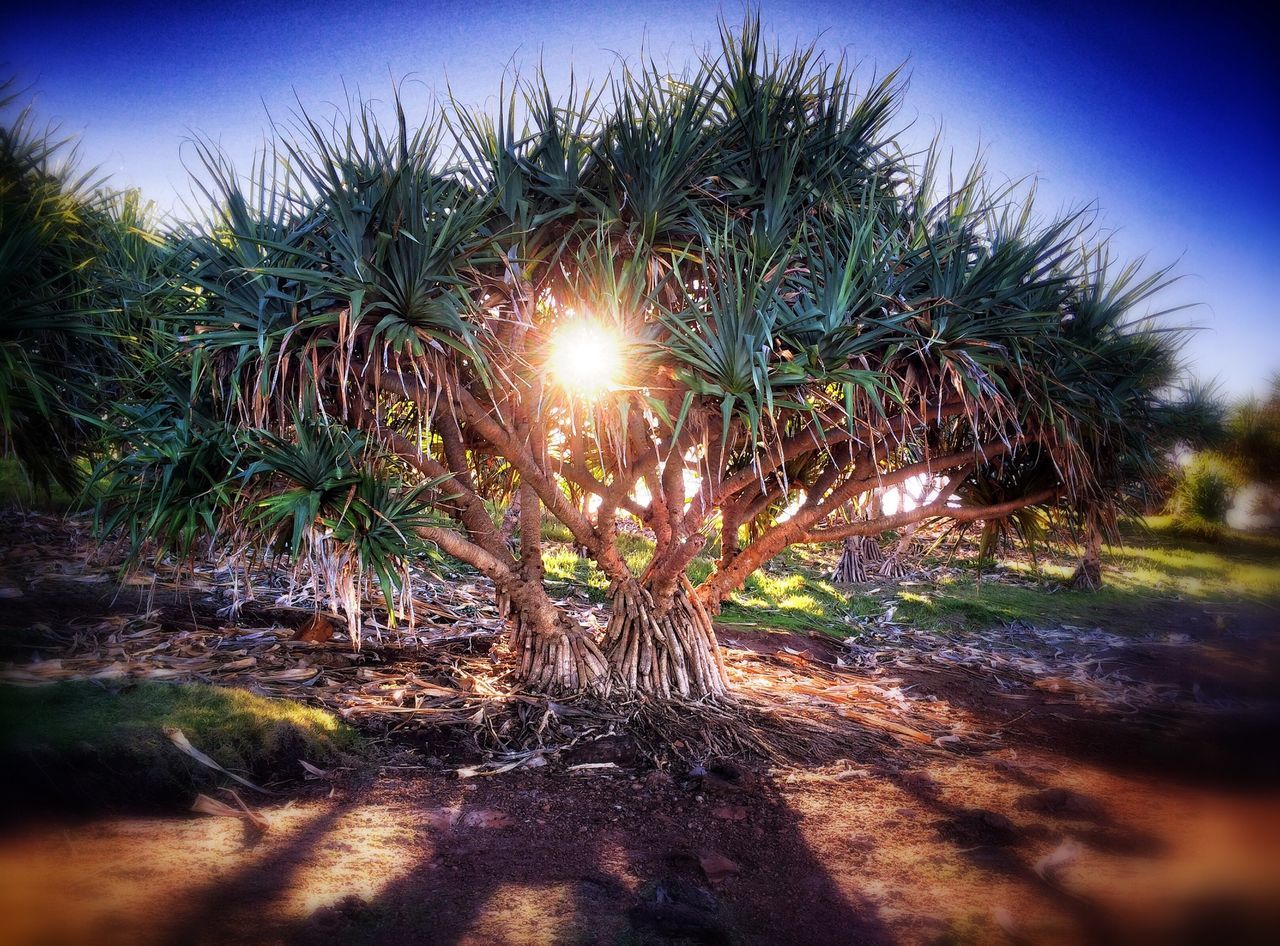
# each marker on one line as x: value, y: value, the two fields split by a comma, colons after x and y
x: 721, y: 304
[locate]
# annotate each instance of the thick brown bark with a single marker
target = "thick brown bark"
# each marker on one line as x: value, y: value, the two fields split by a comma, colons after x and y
x: 1088, y: 574
x: 552, y: 653
x: 665, y: 651
x: 724, y: 581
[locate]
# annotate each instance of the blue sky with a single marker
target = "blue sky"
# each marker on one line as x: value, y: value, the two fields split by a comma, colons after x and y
x: 1163, y: 115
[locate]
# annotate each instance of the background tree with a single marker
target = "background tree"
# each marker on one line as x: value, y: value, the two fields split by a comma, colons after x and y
x: 1251, y: 436
x: 80, y: 267
x: 48, y: 343
x: 1228, y: 460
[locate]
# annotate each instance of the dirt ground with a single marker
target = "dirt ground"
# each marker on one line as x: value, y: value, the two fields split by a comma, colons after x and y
x: 1065, y: 824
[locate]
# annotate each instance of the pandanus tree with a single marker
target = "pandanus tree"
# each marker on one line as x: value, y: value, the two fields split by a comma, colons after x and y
x: 1115, y: 381
x: 721, y: 305
x: 80, y: 269
x: 48, y: 331
x: 1132, y: 403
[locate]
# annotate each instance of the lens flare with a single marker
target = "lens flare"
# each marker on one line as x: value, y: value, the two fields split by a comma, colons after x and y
x: 585, y: 358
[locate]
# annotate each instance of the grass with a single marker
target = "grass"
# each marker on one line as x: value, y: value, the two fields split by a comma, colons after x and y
x: 789, y: 593
x: 793, y: 593
x: 1158, y: 560
x: 82, y: 742
x: 1164, y: 559
x: 16, y: 490
x: 565, y: 568
x: 966, y: 604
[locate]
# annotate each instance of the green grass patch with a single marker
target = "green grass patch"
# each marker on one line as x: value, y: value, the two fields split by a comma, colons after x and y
x: 85, y: 744
x: 966, y: 604
x: 788, y: 593
x: 1163, y: 559
x: 1157, y: 561
x: 791, y: 594
x: 16, y: 490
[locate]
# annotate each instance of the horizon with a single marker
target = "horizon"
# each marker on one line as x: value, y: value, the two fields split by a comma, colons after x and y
x: 1090, y: 127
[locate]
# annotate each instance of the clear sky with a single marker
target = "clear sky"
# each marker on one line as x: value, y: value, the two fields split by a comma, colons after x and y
x: 1163, y: 115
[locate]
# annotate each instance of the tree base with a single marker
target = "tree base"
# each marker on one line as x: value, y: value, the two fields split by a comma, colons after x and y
x: 850, y: 568
x: 562, y: 659
x: 859, y: 552
x: 893, y: 568
x: 1087, y: 577
x: 671, y: 652
x: 1088, y: 574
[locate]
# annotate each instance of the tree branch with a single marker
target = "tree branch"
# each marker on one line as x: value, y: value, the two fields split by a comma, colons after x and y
x: 932, y: 510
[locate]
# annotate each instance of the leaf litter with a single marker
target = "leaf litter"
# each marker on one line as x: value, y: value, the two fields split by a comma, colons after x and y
x: 201, y: 622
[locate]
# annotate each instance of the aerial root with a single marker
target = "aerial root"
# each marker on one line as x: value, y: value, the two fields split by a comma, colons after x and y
x: 667, y: 653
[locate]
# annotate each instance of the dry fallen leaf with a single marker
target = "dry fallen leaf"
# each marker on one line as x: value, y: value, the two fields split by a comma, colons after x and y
x: 314, y: 771
x: 211, y: 806
x: 179, y: 739
x: 442, y: 818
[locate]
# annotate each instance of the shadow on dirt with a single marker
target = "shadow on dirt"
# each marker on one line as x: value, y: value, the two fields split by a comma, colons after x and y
x: 602, y: 860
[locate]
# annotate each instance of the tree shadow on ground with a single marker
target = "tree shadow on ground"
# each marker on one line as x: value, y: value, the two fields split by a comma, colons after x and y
x: 222, y: 913
x: 986, y: 839
x: 586, y: 859
x: 604, y: 861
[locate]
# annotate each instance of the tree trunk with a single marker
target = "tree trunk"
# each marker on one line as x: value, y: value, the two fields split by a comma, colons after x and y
x: 989, y: 540
x: 850, y: 568
x: 1088, y: 574
x: 664, y: 651
x: 859, y: 552
x: 552, y: 653
x: 511, y: 520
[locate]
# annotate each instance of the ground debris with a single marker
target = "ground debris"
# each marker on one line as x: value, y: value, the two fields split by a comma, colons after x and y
x: 1082, y: 666
x: 1053, y: 863
x: 834, y: 688
x: 441, y: 666
x: 206, y: 805
x: 486, y: 818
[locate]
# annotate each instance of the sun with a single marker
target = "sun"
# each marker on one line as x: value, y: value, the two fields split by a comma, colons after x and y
x: 585, y: 357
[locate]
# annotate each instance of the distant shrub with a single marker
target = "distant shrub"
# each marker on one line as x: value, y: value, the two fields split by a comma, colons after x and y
x: 17, y: 490
x: 1204, y: 492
